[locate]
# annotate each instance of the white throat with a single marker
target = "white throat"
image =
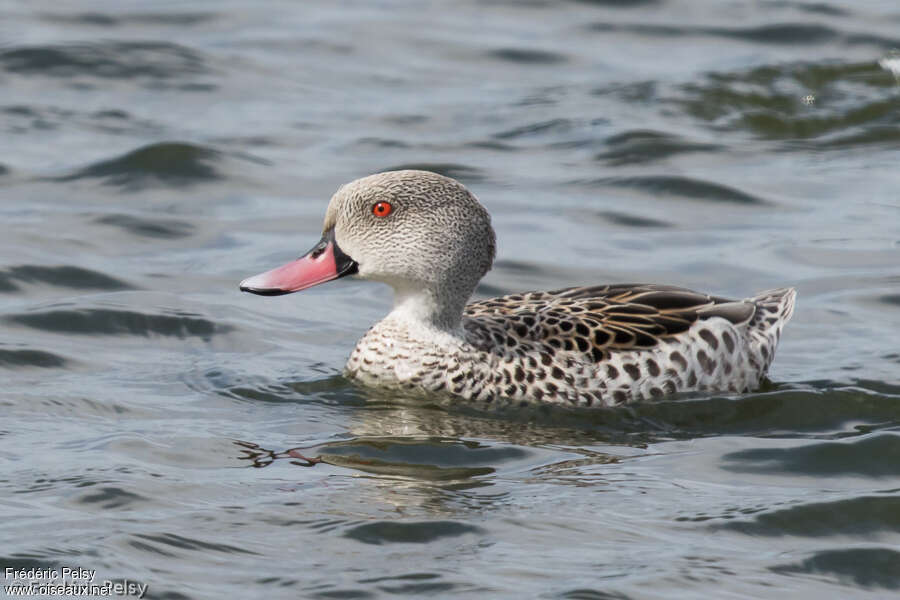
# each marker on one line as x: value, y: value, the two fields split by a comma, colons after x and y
x: 423, y: 308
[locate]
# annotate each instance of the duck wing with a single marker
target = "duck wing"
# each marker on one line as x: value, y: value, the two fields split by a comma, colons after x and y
x: 598, y: 319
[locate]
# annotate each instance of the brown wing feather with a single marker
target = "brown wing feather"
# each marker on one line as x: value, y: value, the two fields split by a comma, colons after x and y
x: 598, y: 319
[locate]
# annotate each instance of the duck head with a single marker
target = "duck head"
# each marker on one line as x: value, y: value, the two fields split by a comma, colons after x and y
x: 422, y: 233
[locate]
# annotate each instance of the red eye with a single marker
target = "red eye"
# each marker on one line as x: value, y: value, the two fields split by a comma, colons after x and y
x: 382, y: 209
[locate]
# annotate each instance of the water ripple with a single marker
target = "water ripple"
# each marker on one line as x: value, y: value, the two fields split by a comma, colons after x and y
x: 621, y: 3
x: 110, y: 60
x: 94, y: 321
x: 445, y: 461
x: 180, y: 19
x: 464, y: 173
x: 823, y: 459
x: 528, y: 56
x: 66, y: 276
x: 852, y: 103
x: 26, y: 357
x: 623, y: 219
x: 683, y: 187
x: 146, y: 227
x: 424, y: 532
x: 173, y: 540
x: 867, y: 567
x: 110, y: 497
x: 534, y: 128
x: 770, y: 33
x: 861, y: 516
x: 172, y: 163
x: 642, y: 146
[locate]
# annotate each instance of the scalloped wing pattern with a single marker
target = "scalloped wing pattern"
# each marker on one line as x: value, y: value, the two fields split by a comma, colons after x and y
x: 598, y: 320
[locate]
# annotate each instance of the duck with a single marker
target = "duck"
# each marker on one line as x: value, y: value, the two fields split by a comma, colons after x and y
x: 430, y: 239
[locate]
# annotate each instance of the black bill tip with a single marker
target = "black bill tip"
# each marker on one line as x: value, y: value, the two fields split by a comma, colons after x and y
x: 264, y: 291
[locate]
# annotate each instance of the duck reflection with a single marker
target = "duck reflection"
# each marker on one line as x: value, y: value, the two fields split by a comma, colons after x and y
x: 435, y: 452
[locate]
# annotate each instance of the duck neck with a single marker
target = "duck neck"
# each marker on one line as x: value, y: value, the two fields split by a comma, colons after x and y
x: 428, y: 307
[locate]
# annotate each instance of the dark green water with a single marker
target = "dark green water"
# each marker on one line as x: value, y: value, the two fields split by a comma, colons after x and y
x: 154, y: 154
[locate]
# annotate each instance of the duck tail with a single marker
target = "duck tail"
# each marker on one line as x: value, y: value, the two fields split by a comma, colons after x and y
x: 774, y: 308
x: 777, y: 304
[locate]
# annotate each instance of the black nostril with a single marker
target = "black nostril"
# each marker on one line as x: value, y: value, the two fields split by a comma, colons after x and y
x: 318, y: 250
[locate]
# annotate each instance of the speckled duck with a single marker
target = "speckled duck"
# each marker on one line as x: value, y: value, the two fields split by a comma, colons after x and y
x: 428, y: 237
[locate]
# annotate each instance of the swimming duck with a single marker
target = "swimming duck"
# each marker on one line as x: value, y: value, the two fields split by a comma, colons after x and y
x: 430, y: 239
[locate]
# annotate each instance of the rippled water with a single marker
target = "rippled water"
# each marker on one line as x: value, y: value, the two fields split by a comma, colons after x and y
x: 157, y: 153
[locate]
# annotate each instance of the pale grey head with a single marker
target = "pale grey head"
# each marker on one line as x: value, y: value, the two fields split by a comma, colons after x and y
x: 437, y: 239
x: 422, y: 233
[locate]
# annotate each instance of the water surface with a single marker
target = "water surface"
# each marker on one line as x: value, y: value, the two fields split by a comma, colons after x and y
x: 157, y: 153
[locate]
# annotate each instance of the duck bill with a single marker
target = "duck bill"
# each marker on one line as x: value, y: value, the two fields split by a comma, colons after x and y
x: 323, y: 263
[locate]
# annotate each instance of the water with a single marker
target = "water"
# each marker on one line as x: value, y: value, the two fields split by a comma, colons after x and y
x: 154, y: 154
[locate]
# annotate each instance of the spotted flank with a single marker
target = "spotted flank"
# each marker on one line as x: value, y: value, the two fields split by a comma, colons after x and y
x: 430, y: 239
x: 590, y: 346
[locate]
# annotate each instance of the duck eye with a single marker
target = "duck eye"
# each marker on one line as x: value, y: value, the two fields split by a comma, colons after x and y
x: 382, y: 209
